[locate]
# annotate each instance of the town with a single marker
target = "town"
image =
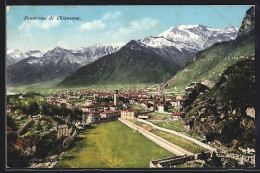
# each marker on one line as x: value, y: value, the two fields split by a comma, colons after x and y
x: 37, y: 123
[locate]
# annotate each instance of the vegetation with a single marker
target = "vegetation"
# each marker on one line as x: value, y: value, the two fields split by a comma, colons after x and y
x: 173, y: 125
x: 111, y: 145
x: 137, y: 107
x: 181, y: 142
x: 126, y: 66
x: 174, y: 110
x: 48, y: 90
x: 157, y: 115
x: 211, y: 63
x: 223, y: 108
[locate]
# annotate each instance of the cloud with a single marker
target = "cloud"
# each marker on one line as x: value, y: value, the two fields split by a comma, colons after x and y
x: 28, y: 25
x: 7, y: 8
x: 145, y: 23
x: 112, y: 15
x: 96, y: 24
x: 142, y: 24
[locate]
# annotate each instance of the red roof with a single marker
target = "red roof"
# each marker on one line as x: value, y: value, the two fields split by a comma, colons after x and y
x: 176, y: 113
x: 129, y: 110
x: 110, y: 112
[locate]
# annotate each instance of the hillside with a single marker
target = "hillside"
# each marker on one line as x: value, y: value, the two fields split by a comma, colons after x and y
x: 209, y: 64
x: 222, y: 113
x: 152, y: 59
x: 57, y: 63
x: 126, y: 66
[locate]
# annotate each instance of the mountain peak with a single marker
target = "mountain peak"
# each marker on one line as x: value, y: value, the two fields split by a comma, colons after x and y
x: 35, y: 53
x: 247, y: 27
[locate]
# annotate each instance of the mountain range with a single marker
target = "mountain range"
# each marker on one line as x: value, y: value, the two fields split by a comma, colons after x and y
x: 152, y: 59
x: 33, y: 67
x: 207, y: 65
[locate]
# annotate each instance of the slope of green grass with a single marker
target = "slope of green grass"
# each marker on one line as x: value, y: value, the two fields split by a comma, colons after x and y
x: 173, y: 125
x: 211, y: 63
x: 137, y: 107
x: 159, y: 115
x: 47, y: 90
x: 111, y: 145
x: 181, y: 142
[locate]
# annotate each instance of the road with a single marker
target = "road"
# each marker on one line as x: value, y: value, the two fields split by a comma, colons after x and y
x: 158, y: 140
x: 181, y: 135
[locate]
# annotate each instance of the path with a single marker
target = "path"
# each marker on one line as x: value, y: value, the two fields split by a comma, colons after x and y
x: 181, y: 135
x: 158, y: 140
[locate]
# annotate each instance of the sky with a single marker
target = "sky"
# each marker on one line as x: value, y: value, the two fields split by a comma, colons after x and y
x: 108, y: 24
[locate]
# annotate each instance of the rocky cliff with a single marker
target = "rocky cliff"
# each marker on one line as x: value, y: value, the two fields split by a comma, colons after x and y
x: 247, y: 27
x: 221, y: 113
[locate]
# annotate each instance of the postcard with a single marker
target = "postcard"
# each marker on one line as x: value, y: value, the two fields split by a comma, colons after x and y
x: 130, y: 86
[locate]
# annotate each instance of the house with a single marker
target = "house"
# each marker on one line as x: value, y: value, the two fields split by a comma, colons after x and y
x: 151, y: 101
x: 176, y: 115
x: 152, y: 108
x: 128, y: 114
x: 162, y: 108
x: 113, y: 108
x: 88, y: 102
x: 110, y: 115
x: 63, y: 130
x: 143, y: 116
x: 87, y: 119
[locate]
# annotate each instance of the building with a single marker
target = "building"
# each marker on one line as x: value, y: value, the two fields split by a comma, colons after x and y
x: 88, y: 102
x: 162, y: 108
x: 63, y: 130
x: 176, y: 115
x: 128, y: 114
x: 113, y: 108
x: 143, y: 116
x: 115, y: 97
x: 90, y: 118
x: 110, y: 115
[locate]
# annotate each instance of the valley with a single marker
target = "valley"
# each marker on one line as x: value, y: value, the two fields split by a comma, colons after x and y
x: 184, y: 98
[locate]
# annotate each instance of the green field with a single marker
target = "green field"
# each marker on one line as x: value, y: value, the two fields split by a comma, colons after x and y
x: 137, y: 107
x: 181, y: 142
x: 111, y: 145
x: 173, y: 125
x: 159, y: 115
x: 45, y: 89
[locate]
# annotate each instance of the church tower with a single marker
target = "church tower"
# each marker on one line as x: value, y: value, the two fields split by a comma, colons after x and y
x: 115, y: 97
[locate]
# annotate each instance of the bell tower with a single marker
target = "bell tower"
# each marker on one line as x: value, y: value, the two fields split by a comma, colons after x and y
x: 115, y: 97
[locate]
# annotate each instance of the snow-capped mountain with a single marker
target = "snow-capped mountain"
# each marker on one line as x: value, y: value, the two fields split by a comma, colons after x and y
x: 55, y: 63
x: 198, y: 37
x: 13, y: 56
x: 181, y: 43
x: 35, y: 53
x: 178, y: 44
x: 152, y: 59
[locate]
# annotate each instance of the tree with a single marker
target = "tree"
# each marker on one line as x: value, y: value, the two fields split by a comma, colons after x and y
x: 33, y: 108
x: 216, y: 161
x: 12, y: 122
x: 204, y: 156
